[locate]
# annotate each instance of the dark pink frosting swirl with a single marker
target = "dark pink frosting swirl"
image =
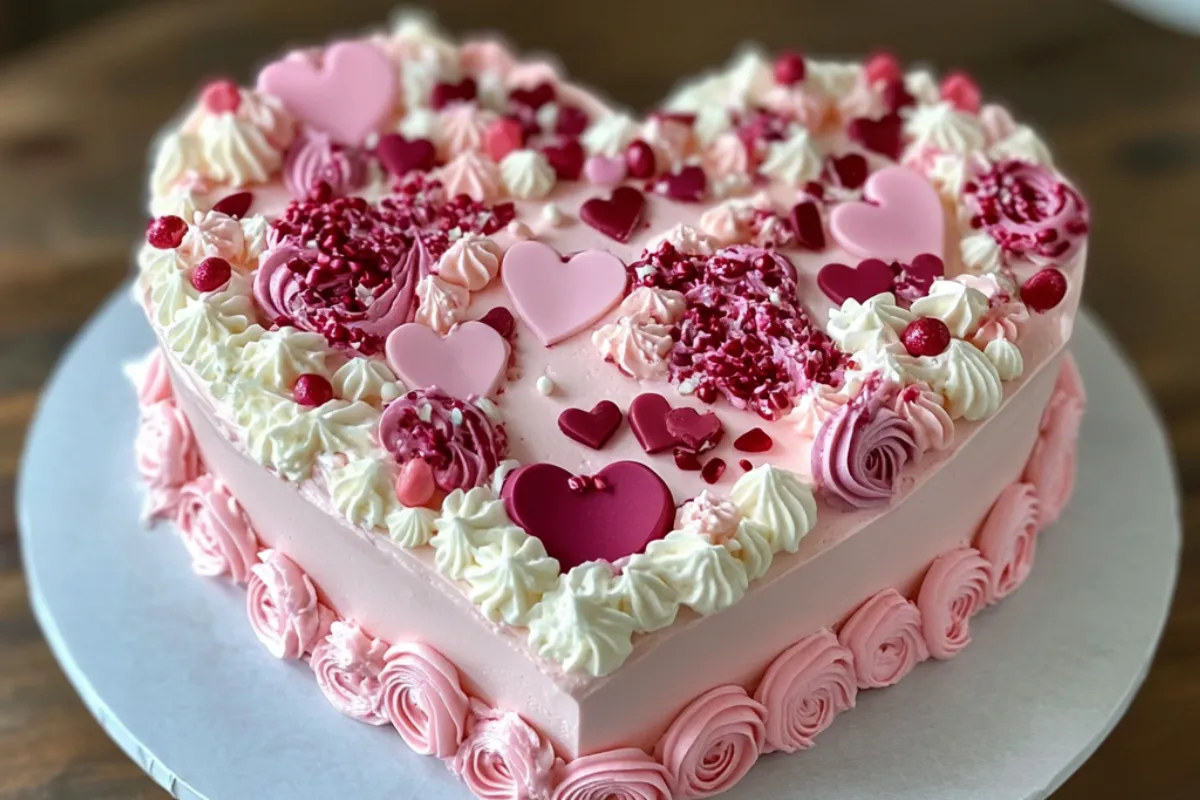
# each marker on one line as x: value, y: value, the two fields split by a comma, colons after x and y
x: 315, y: 157
x: 954, y: 589
x: 458, y: 440
x: 713, y: 742
x: 1052, y: 465
x: 1029, y: 210
x: 805, y: 687
x: 423, y: 699
x: 860, y: 451
x: 884, y: 635
x: 625, y: 774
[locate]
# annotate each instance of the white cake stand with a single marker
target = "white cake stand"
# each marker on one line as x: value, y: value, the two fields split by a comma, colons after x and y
x: 169, y: 666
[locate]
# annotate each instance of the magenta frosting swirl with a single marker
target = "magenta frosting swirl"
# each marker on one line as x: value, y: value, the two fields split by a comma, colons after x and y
x: 861, y: 449
x: 1008, y: 539
x: 884, y: 636
x: 347, y: 665
x: 503, y: 758
x: 424, y: 700
x: 805, y: 687
x: 713, y: 742
x: 954, y: 589
x: 215, y: 530
x: 624, y: 774
x: 167, y: 457
x: 1029, y: 210
x: 1052, y: 465
x: 315, y: 157
x: 458, y: 440
x: 283, y: 607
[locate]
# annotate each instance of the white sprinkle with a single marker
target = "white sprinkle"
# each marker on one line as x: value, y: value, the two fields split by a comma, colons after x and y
x: 456, y: 416
x: 425, y: 412
x: 775, y: 298
x: 454, y: 234
x: 547, y: 116
x: 553, y: 216
x: 545, y: 386
x: 645, y: 271
x: 686, y: 387
x: 371, y: 140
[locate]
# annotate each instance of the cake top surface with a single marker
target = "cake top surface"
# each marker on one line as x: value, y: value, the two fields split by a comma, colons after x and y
x: 593, y: 367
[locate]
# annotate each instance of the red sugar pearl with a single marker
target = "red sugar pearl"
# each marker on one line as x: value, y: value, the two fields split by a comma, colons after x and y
x: 167, y: 232
x: 713, y: 470
x: 639, y: 159
x: 961, y: 91
x: 211, y: 274
x: 927, y: 336
x: 789, y: 69
x: 1045, y: 290
x: 755, y: 440
x: 221, y: 97
x: 312, y: 390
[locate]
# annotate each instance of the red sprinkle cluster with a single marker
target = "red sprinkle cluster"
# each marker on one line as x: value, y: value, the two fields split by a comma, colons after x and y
x: 1028, y: 210
x: 744, y: 335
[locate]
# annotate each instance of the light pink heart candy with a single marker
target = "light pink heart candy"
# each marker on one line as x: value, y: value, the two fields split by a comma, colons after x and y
x: 903, y: 219
x: 558, y: 300
x: 470, y: 360
x: 604, y: 170
x: 348, y: 95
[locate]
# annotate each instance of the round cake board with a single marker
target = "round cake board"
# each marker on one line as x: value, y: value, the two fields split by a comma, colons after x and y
x: 168, y: 664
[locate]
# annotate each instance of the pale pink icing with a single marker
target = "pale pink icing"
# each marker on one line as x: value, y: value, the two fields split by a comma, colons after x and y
x: 900, y: 218
x: 713, y: 742
x: 423, y: 699
x: 860, y: 451
x: 671, y: 141
x: 347, y: 665
x: 815, y: 405
x: 728, y: 223
x: 925, y: 410
x: 469, y: 361
x: 1008, y: 539
x: 214, y: 234
x: 726, y: 157
x: 460, y: 129
x: 282, y: 604
x: 315, y: 157
x: 472, y: 174
x: 805, y: 687
x: 1004, y: 320
x: 624, y: 774
x: 1052, y: 465
x: 648, y: 304
x: 215, y: 530
x: 471, y: 262
x: 954, y: 590
x: 710, y: 516
x: 440, y: 304
x: 167, y: 457
x: 558, y: 300
x: 638, y: 349
x: 154, y: 380
x: 997, y: 123
x: 503, y: 758
x: 484, y: 55
x: 884, y: 636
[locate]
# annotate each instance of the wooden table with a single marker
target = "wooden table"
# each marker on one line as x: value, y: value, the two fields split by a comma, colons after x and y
x: 1118, y: 98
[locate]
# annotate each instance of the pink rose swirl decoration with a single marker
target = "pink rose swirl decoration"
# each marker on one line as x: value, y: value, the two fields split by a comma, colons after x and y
x: 954, y: 589
x: 154, y: 385
x: 423, y: 699
x: 503, y: 758
x: 884, y: 636
x: 805, y: 687
x: 347, y: 665
x: 1008, y: 539
x: 283, y: 607
x: 624, y: 774
x: 215, y: 530
x: 1052, y: 465
x: 167, y: 457
x: 713, y: 743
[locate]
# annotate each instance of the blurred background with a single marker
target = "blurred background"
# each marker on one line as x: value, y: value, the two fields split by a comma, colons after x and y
x: 84, y: 84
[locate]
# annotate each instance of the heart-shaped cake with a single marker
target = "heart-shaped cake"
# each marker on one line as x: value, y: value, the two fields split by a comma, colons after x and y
x: 589, y: 450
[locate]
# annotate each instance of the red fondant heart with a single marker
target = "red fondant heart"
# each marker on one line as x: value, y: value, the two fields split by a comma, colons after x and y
x: 235, y: 205
x: 444, y: 94
x: 851, y: 170
x: 533, y: 98
x: 606, y: 517
x: 841, y: 283
x: 593, y: 428
x: 807, y: 225
x: 501, y: 320
x: 618, y: 216
x: 566, y: 159
x: 688, y: 185
x: 648, y: 421
x: 698, y: 432
x: 883, y: 135
x: 915, y: 279
x: 400, y: 156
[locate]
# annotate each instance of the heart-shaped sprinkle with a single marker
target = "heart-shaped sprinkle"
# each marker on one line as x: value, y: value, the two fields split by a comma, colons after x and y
x: 348, y: 95
x: 533, y: 98
x: 604, y: 170
x: 841, y: 283
x: 755, y: 440
x: 571, y: 120
x: 593, y: 428
x: 648, y: 421
x: 501, y: 320
x: 618, y: 216
x: 884, y: 135
x: 444, y: 94
x: 687, y: 185
x: 901, y: 218
x: 470, y: 361
x: 234, y: 205
x: 807, y: 225
x: 566, y: 159
x: 558, y: 300
x: 401, y: 156
x: 851, y: 170
x: 695, y: 431
x: 915, y: 279
x: 604, y: 517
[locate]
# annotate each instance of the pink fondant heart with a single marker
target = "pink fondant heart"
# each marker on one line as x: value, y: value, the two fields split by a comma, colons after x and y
x: 648, y: 421
x: 604, y: 170
x: 903, y: 219
x: 841, y: 283
x: 348, y: 95
x: 558, y: 300
x: 469, y: 361
x: 698, y: 432
x: 608, y: 516
x: 618, y: 216
x: 593, y: 428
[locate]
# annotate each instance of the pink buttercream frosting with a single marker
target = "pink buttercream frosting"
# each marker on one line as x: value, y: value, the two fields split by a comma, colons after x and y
x: 282, y: 604
x: 314, y: 156
x: 715, y: 518
x: 925, y: 411
x: 215, y: 530
x: 713, y: 742
x: 503, y: 758
x: 1052, y: 465
x: 954, y: 589
x: 884, y: 636
x: 167, y: 457
x: 1008, y: 539
x: 423, y: 699
x: 154, y: 380
x: 460, y: 129
x: 805, y: 687
x: 348, y: 664
x: 624, y: 774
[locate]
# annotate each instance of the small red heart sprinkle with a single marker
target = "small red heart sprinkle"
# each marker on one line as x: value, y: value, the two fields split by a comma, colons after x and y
x: 961, y: 91
x: 401, y: 156
x: 167, y: 232
x: 927, y: 336
x: 571, y: 121
x: 841, y: 283
x: 807, y: 225
x: 312, y: 390
x: 639, y: 159
x: 883, y: 66
x: 896, y: 96
x: 211, y: 274
x: 234, y: 205
x: 1045, y: 290
x: 618, y: 216
x: 502, y: 137
x: 851, y: 170
x: 592, y: 428
x: 501, y: 320
x: 687, y: 460
x: 221, y: 97
x: 883, y: 135
x: 688, y: 185
x: 755, y: 440
x: 566, y: 159
x: 533, y: 98
x: 446, y: 93
x: 695, y: 431
x: 713, y: 470
x: 789, y: 69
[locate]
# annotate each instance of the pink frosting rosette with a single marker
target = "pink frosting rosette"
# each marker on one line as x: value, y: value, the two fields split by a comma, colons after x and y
x: 1052, y: 465
x: 215, y: 530
x: 167, y: 457
x: 154, y: 380
x: 314, y: 157
x: 423, y: 699
x: 283, y: 607
x: 884, y: 636
x: 713, y: 742
x: 347, y: 665
x: 805, y: 687
x: 953, y: 591
x: 1008, y: 539
x: 503, y: 758
x: 624, y: 774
